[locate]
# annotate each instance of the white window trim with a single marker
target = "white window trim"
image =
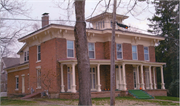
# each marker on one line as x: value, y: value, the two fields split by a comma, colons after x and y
x: 121, y: 51
x: 17, y: 76
x: 94, y: 50
x: 148, y: 54
x: 136, y: 52
x: 94, y: 89
x: 37, y: 54
x: 26, y: 56
x: 70, y: 49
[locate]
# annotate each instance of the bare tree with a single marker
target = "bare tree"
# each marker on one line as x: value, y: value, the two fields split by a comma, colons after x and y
x: 10, y: 31
x: 82, y: 54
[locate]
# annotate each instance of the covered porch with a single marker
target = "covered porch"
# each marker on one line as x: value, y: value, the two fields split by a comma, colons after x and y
x: 130, y: 74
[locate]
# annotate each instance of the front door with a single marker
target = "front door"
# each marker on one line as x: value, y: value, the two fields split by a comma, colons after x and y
x: 23, y: 85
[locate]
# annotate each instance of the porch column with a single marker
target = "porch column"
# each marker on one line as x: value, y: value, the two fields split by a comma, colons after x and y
x: 142, y: 78
x: 162, y: 78
x: 150, y: 78
x: 73, y: 89
x: 124, y: 76
x: 154, y: 78
x: 138, y: 85
x: 119, y: 77
x: 98, y: 79
x: 62, y: 81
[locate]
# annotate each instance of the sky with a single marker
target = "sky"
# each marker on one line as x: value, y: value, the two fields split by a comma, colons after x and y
x: 57, y: 11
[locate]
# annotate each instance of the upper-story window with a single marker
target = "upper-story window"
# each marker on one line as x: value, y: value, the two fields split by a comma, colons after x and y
x: 146, y: 53
x: 26, y: 56
x: 38, y: 52
x: 91, y: 50
x: 100, y: 24
x: 119, y: 51
x: 70, y: 48
x: 134, y: 52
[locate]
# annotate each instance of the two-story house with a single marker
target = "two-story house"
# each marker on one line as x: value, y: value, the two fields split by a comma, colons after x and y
x: 48, y: 60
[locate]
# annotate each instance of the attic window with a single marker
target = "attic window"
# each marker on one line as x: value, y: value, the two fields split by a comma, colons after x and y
x: 100, y: 24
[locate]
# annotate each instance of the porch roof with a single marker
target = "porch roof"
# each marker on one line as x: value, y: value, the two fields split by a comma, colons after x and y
x: 117, y: 62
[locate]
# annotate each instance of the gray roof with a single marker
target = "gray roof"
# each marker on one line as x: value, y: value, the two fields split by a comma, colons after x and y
x: 10, y: 61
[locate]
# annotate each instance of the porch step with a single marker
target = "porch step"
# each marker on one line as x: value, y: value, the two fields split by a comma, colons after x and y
x: 34, y: 95
x: 140, y: 94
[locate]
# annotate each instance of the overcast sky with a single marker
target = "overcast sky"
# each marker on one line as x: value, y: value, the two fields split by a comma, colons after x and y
x: 137, y: 17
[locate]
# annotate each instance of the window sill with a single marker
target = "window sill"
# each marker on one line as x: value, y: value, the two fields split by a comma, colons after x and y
x: 38, y: 61
x: 38, y: 88
x: 16, y: 89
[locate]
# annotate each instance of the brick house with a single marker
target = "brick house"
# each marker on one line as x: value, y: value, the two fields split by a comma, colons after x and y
x: 48, y: 60
x: 6, y: 62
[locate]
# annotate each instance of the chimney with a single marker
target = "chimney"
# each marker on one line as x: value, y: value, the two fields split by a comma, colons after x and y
x: 45, y: 19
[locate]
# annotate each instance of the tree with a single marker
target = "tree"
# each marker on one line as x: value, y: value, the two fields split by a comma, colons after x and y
x: 165, y: 24
x: 10, y: 31
x: 112, y: 71
x: 83, y: 63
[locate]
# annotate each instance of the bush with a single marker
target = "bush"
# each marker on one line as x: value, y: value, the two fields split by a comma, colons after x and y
x: 174, y: 88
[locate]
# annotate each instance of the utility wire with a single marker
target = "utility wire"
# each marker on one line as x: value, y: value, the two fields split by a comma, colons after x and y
x: 72, y: 21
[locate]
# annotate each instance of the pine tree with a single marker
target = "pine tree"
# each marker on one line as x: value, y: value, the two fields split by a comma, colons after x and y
x: 165, y: 24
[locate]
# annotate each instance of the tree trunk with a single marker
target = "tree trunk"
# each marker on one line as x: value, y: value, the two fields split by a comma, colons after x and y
x: 112, y: 101
x: 82, y: 54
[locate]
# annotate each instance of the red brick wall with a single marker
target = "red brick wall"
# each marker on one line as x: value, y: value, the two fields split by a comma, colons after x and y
x: 48, y: 65
x: 99, y: 49
x: 61, y: 48
x: 127, y: 51
x: 11, y: 84
x: 140, y: 52
x: 152, y: 53
x: 129, y: 76
x: 107, y: 50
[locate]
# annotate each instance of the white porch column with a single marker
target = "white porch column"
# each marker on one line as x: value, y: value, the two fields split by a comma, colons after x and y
x: 142, y: 78
x: 73, y: 89
x: 62, y: 81
x: 138, y: 85
x: 150, y: 78
x: 98, y: 79
x: 124, y: 76
x: 162, y: 78
x: 154, y: 78
x: 119, y: 66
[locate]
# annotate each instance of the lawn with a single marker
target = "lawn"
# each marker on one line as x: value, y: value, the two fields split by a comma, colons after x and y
x: 95, y: 101
x: 13, y: 101
x: 167, y: 98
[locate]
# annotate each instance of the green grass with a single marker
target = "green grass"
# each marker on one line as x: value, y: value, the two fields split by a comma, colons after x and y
x: 167, y: 98
x: 10, y: 101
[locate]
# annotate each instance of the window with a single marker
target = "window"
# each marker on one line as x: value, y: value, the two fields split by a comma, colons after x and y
x: 38, y: 78
x: 24, y: 56
x: 70, y: 48
x: 135, y: 77
x: 147, y: 77
x: 27, y: 55
x: 91, y: 50
x: 39, y: 52
x: 103, y: 23
x: 69, y: 78
x: 92, y: 77
x: 146, y: 53
x: 119, y: 51
x: 134, y: 52
x: 17, y: 82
